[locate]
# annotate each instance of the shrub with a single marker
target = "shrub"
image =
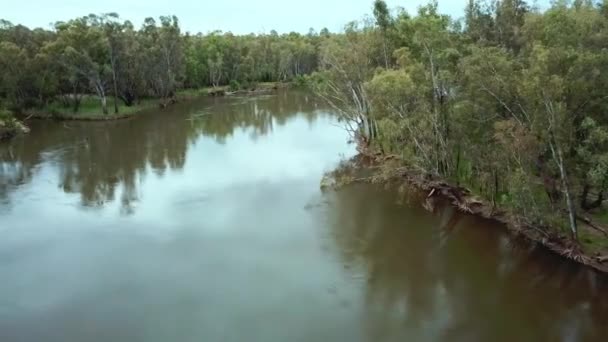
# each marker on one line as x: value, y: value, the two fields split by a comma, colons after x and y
x: 303, y: 81
x: 234, y: 85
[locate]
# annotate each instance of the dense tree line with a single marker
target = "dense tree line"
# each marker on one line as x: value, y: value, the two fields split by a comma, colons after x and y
x: 105, y: 56
x: 220, y: 58
x: 510, y: 100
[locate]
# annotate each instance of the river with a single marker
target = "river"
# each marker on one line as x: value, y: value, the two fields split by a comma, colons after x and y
x: 205, y: 222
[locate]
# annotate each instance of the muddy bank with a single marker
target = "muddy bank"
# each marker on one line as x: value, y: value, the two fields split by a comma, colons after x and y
x: 433, y: 191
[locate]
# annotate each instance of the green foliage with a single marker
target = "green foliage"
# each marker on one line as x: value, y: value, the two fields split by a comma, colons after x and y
x: 105, y: 56
x: 90, y: 108
x: 218, y: 58
x: 301, y: 81
x: 5, y: 115
x: 9, y: 126
x: 512, y: 104
x: 234, y: 85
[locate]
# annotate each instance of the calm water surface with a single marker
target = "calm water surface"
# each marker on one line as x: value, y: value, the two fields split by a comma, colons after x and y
x: 206, y: 223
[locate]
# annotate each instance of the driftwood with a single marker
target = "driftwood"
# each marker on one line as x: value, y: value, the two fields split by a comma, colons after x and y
x: 217, y: 92
x: 602, y: 259
x: 458, y: 196
x: 223, y: 92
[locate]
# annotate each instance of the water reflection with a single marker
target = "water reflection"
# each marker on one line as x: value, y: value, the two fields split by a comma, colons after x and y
x: 450, y: 277
x: 181, y: 225
x: 259, y: 114
x: 105, y: 162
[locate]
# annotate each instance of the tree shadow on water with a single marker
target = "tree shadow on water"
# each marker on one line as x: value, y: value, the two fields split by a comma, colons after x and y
x: 446, y: 276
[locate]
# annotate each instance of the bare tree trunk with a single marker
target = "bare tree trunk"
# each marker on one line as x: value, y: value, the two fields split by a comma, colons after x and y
x: 556, y: 151
x: 495, y: 197
x: 559, y: 160
x: 385, y: 51
x: 102, y: 96
x: 76, y: 105
x: 104, y: 105
x: 598, y: 202
x: 115, y: 86
x: 76, y: 98
x: 586, y: 206
x: 584, y: 196
x: 439, y: 139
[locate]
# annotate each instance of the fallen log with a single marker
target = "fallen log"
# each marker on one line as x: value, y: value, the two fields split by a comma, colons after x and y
x: 593, y: 225
x: 602, y: 259
x: 217, y: 92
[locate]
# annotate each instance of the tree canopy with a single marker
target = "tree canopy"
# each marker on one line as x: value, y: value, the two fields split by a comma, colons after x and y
x: 106, y: 56
x: 508, y: 100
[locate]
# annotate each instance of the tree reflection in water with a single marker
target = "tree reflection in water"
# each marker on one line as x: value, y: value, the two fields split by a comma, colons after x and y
x: 106, y: 161
x: 452, y: 277
x: 425, y: 277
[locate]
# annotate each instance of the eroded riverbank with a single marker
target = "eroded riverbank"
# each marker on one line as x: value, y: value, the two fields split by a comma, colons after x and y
x: 390, y: 171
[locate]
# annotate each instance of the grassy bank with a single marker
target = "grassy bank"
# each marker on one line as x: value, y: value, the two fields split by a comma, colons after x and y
x: 190, y: 94
x: 90, y: 107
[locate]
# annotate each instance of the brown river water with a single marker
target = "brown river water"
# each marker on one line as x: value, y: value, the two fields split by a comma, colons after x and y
x: 205, y: 222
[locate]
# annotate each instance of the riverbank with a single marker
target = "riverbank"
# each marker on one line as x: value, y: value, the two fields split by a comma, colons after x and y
x: 90, y: 108
x: 260, y: 88
x: 374, y: 168
x: 10, y: 127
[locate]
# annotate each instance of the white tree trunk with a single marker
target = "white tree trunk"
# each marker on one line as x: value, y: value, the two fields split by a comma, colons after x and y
x: 559, y: 160
x: 556, y: 151
x: 102, y: 96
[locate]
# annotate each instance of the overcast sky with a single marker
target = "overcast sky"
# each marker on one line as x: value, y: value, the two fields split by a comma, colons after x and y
x: 238, y: 16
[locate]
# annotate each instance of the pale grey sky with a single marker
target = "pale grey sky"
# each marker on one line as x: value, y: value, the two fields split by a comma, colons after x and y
x: 238, y: 16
